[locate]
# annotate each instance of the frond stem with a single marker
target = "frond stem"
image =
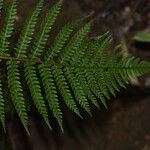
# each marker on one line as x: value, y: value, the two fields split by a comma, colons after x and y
x: 52, y: 62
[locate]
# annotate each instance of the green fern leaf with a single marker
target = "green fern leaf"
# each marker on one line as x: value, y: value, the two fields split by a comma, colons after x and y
x: 76, y: 67
x: 88, y: 53
x: 92, y: 46
x: 74, y: 44
x: 100, y: 56
x: 61, y: 38
x: 51, y: 92
x: 113, y: 63
x: 92, y: 82
x: 35, y: 90
x: 120, y: 81
x: 78, y: 56
x: 27, y: 32
x: 8, y: 28
x: 16, y: 93
x: 99, y: 75
x: 46, y: 26
x: 124, y: 72
x: 111, y: 85
x: 130, y: 63
x: 64, y: 89
x: 83, y: 82
x: 30, y: 73
x: 77, y: 89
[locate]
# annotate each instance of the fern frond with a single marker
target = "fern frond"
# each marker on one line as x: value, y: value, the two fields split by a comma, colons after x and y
x: 61, y: 38
x: 83, y: 82
x: 78, y: 56
x: 100, y: 56
x: 111, y: 63
x: 27, y: 32
x: 45, y: 28
x: 35, y: 90
x: 64, y: 89
x: 132, y: 71
x: 76, y: 67
x: 30, y: 70
x: 2, y: 107
x: 92, y: 46
x: 7, y: 28
x: 120, y: 81
x: 111, y: 85
x: 51, y: 92
x: 16, y: 92
x: 74, y: 44
x: 91, y: 81
x: 77, y: 89
x: 99, y: 76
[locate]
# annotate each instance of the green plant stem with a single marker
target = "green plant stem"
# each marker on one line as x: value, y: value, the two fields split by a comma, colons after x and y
x: 64, y: 65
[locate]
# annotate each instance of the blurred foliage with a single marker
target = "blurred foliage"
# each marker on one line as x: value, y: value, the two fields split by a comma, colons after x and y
x: 142, y: 36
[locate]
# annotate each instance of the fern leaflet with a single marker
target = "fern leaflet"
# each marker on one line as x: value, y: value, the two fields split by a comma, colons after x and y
x: 8, y: 28
x: 16, y: 93
x: 52, y: 98
x: 46, y: 25
x: 27, y: 32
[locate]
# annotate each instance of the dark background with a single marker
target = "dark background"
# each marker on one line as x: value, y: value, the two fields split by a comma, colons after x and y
x: 126, y: 123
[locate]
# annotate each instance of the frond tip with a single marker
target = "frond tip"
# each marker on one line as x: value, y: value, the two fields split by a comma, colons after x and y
x: 76, y: 68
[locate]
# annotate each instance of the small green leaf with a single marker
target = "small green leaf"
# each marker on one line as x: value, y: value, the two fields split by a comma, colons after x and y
x: 142, y: 36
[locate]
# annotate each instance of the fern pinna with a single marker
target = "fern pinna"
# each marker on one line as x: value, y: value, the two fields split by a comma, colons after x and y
x: 75, y: 66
